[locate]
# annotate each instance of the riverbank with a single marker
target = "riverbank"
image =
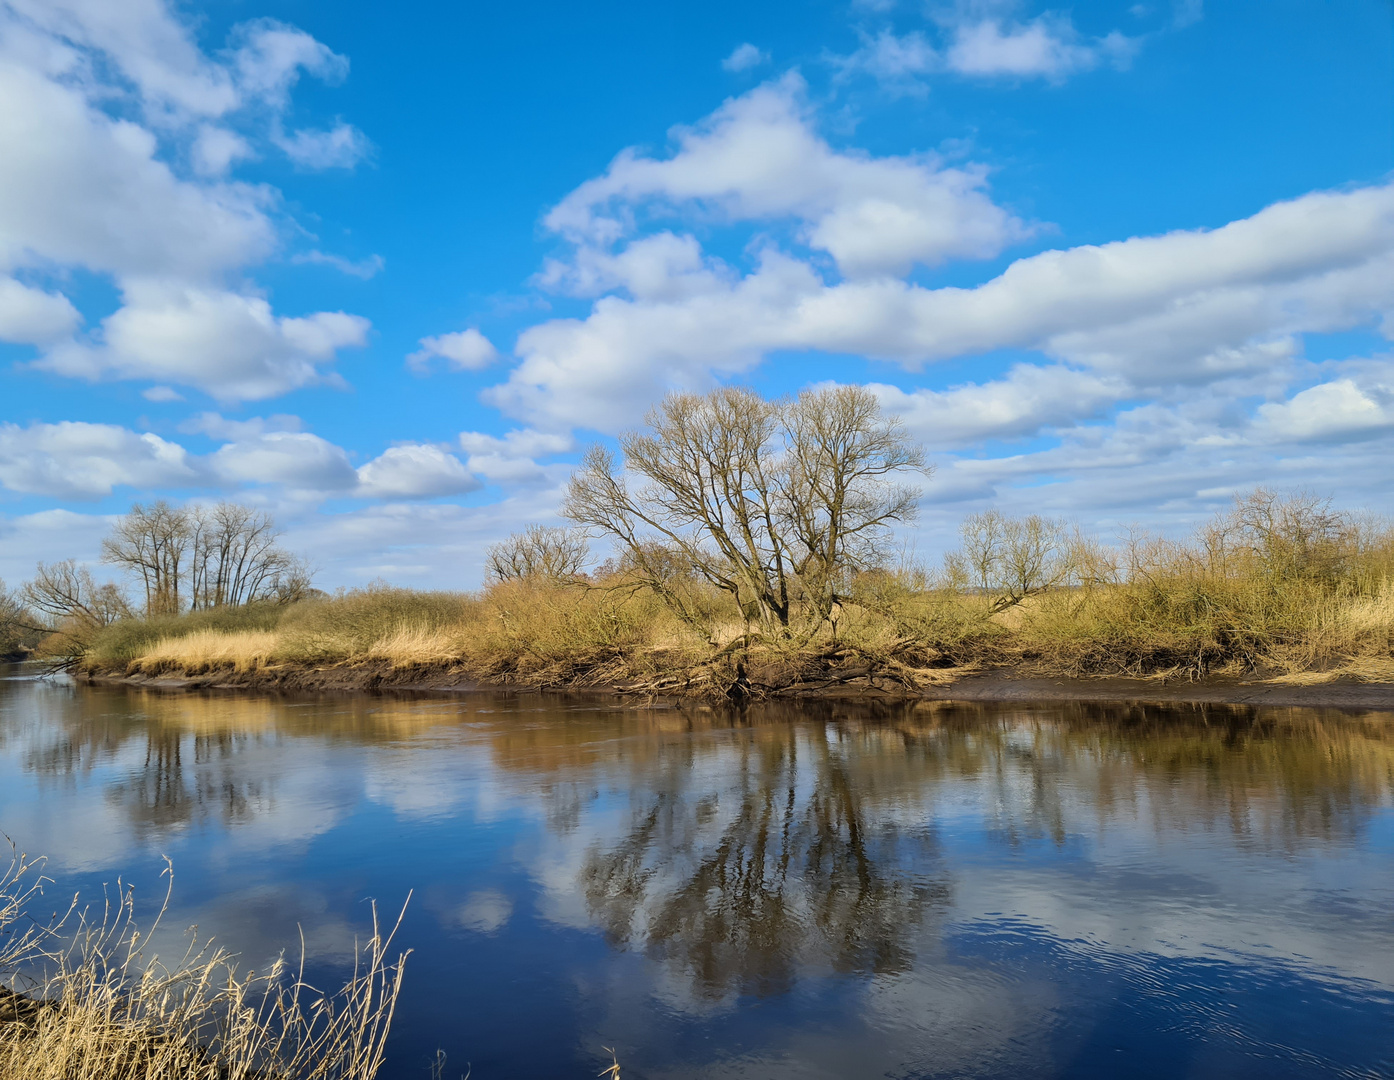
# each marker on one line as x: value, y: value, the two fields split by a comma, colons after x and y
x: 968, y: 684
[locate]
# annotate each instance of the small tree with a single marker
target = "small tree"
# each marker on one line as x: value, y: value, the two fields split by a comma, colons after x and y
x: 17, y: 624
x: 65, y: 594
x: 773, y: 502
x: 1008, y: 559
x: 538, y: 553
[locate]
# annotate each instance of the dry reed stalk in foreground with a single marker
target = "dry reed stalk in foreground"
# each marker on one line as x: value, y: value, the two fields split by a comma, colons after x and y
x: 98, y: 1008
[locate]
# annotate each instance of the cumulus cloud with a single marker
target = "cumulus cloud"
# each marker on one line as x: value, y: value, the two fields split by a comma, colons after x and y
x: 744, y: 57
x: 415, y: 471
x: 87, y: 461
x: 1342, y: 409
x: 79, y: 188
x: 229, y: 345
x: 296, y: 459
x: 466, y: 350
x: 217, y: 426
x: 33, y: 317
x: 758, y: 158
x: 512, y: 458
x: 1181, y: 308
x: 104, y: 101
x: 1027, y: 400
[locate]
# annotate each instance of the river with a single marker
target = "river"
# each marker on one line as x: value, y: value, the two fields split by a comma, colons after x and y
x: 823, y: 890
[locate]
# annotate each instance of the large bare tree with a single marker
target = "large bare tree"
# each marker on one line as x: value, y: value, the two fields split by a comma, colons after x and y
x: 151, y: 543
x: 204, y: 557
x: 774, y: 502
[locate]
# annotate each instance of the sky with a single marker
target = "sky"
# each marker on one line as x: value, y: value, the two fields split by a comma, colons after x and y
x: 386, y: 270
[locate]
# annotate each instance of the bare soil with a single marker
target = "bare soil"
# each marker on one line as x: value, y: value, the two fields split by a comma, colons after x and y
x: 832, y: 682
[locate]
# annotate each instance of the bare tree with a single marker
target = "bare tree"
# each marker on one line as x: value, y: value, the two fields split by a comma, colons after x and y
x: 235, y: 558
x: 1291, y: 536
x: 17, y: 624
x: 152, y: 543
x: 65, y: 593
x: 538, y: 553
x: 205, y: 557
x: 772, y: 502
x: 70, y: 608
x: 1008, y: 559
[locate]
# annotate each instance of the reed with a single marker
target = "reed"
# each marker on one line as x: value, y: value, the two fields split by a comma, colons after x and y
x: 98, y: 1005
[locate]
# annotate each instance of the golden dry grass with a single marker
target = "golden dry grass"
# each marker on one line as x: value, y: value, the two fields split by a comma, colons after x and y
x: 98, y: 1006
x: 240, y: 650
x: 1310, y: 605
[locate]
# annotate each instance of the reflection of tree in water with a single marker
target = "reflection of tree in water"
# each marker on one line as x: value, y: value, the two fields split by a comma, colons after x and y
x: 167, y: 794
x: 764, y: 866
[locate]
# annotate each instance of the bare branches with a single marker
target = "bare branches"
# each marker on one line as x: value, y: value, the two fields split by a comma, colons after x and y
x: 1008, y: 559
x: 204, y: 557
x: 66, y: 593
x: 538, y: 553
x: 774, y: 503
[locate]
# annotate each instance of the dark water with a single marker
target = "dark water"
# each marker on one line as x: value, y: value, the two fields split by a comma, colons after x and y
x: 828, y: 891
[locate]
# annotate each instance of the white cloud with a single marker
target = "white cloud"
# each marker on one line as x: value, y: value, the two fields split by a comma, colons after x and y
x: 32, y: 316
x: 466, y: 350
x: 86, y: 461
x: 414, y: 471
x: 363, y: 268
x: 101, y: 99
x: 270, y: 56
x: 744, y: 57
x: 758, y: 158
x: 216, y: 150
x: 978, y: 44
x: 1047, y: 47
x: 78, y: 188
x: 216, y: 426
x: 48, y: 535
x: 512, y: 458
x: 1182, y: 308
x: 161, y: 394
x: 296, y: 459
x: 899, y: 61
x: 229, y: 345
x: 1338, y: 410
x: 1027, y: 400
x: 659, y: 267
x: 340, y: 147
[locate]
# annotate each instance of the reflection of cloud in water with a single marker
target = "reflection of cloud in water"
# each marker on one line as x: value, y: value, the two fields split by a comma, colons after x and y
x: 885, y: 866
x: 485, y: 912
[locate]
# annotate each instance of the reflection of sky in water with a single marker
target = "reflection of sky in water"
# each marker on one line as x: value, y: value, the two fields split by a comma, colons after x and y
x: 932, y: 891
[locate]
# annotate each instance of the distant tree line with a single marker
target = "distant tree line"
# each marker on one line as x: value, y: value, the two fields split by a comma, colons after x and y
x: 179, y: 558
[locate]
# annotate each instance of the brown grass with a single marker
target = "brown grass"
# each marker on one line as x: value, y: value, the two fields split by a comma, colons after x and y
x: 97, y: 1005
x: 1292, y: 605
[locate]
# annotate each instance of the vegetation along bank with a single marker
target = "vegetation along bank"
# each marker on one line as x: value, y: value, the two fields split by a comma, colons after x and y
x: 753, y: 553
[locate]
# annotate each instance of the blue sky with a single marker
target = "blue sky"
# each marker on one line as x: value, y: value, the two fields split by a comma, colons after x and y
x: 385, y: 269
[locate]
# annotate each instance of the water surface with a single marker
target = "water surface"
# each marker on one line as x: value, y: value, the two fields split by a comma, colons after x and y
x: 823, y: 891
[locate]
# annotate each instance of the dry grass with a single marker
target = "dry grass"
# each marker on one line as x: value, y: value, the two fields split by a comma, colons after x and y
x: 1308, y: 604
x: 241, y: 650
x: 99, y: 1007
